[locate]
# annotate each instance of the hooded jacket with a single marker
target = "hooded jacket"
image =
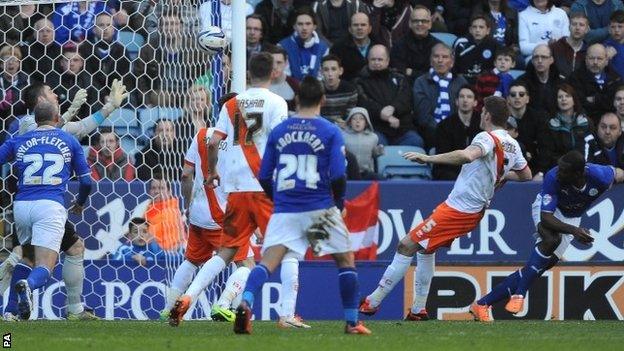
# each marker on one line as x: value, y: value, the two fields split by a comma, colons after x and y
x: 361, y: 144
x: 558, y: 138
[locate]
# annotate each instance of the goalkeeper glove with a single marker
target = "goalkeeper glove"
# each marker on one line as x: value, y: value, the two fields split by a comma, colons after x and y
x: 79, y: 99
x: 116, y: 97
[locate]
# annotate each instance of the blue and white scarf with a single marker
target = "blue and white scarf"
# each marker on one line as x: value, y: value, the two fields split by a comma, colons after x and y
x: 600, y: 79
x: 443, y: 105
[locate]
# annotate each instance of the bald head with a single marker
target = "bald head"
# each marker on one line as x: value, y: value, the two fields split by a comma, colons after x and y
x: 46, y: 113
x: 542, y: 59
x: 596, y: 58
x: 378, y: 58
x: 360, y: 27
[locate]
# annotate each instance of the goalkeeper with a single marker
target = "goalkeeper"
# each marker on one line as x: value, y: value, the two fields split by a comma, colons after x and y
x: 18, y: 265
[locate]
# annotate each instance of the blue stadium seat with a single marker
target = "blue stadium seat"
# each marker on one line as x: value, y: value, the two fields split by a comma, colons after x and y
x: 392, y: 164
x: 123, y: 121
x: 132, y: 42
x: 515, y: 73
x: 149, y: 116
x: 446, y: 38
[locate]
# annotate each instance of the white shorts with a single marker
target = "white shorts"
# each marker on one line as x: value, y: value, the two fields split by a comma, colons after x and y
x: 566, y: 239
x: 288, y: 229
x: 40, y: 223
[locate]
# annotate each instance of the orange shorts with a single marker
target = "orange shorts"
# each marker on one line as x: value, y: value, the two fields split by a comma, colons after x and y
x: 245, y: 211
x: 202, y: 244
x: 443, y: 226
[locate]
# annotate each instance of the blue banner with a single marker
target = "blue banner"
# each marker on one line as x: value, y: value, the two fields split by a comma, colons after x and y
x: 504, y: 235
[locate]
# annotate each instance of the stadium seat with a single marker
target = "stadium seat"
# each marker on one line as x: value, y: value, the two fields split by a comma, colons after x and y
x: 149, y: 116
x: 515, y: 73
x: 132, y: 42
x: 392, y: 164
x: 446, y: 38
x: 123, y: 121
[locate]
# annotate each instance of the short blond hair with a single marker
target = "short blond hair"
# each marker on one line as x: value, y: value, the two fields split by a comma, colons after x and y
x: 12, y: 50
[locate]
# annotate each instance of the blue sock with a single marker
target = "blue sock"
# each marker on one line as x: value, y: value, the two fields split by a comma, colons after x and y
x: 349, y: 293
x: 21, y: 271
x: 534, y: 268
x: 257, y: 278
x: 38, y: 277
x: 501, y: 291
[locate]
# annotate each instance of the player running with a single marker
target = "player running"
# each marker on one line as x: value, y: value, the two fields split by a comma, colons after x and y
x: 244, y: 124
x: 46, y: 159
x: 492, y: 157
x: 12, y: 270
x: 569, y: 189
x: 307, y: 154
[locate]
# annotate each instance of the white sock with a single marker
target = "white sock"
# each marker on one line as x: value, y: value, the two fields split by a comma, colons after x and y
x: 425, y: 267
x: 181, y: 280
x: 205, y: 276
x: 73, y: 276
x: 289, y: 275
x: 393, y: 274
x: 234, y: 286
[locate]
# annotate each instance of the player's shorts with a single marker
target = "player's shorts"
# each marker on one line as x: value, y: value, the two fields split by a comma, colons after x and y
x: 40, y: 223
x: 245, y: 211
x: 69, y: 237
x: 202, y: 244
x: 566, y: 239
x: 288, y: 229
x: 443, y: 226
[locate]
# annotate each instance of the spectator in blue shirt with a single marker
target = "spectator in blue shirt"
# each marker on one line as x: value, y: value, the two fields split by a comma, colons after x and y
x: 139, y: 245
x: 73, y: 20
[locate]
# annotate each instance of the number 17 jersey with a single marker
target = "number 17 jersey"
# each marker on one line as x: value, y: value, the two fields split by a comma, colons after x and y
x: 246, y: 121
x: 306, y: 154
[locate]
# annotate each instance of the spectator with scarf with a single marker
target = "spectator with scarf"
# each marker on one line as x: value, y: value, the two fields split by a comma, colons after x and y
x: 435, y: 90
x: 304, y: 47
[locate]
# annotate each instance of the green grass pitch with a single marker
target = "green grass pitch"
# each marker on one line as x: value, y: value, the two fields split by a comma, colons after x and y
x: 324, y: 335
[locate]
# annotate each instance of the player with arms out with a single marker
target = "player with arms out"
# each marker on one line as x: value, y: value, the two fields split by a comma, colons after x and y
x: 568, y: 190
x: 307, y: 154
x: 492, y: 157
x: 46, y: 159
x: 244, y: 124
x: 12, y: 270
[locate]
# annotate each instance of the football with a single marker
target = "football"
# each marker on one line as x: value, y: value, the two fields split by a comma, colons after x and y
x: 212, y: 40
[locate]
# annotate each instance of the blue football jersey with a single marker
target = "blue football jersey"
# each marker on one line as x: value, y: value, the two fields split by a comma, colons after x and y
x: 573, y: 202
x: 45, y: 159
x: 305, y: 154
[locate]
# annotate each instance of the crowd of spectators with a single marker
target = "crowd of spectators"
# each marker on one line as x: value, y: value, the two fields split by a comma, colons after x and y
x: 396, y: 72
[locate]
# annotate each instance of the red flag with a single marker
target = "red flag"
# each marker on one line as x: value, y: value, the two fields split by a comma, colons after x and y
x: 362, y: 223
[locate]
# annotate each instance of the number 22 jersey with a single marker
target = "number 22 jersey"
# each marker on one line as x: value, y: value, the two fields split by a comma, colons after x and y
x: 306, y: 154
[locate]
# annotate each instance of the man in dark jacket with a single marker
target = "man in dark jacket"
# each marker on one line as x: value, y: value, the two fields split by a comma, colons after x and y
x: 435, y: 91
x: 279, y: 17
x: 387, y: 97
x: 569, y: 52
x: 607, y: 148
x: 542, y: 79
x: 353, y: 48
x: 334, y: 17
x: 457, y: 131
x: 162, y: 155
x: 595, y: 82
x: 410, y: 55
x: 531, y: 122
